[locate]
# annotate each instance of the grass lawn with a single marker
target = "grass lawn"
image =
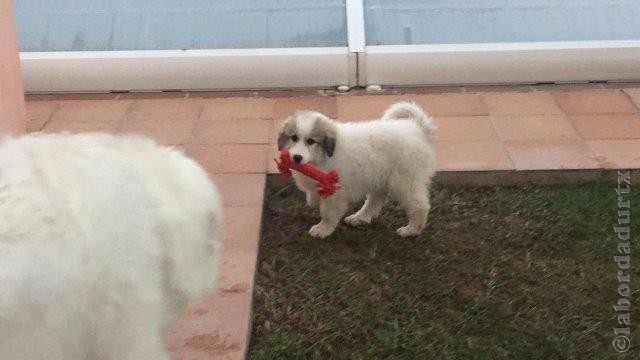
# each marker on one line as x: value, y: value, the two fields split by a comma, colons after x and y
x: 499, y: 273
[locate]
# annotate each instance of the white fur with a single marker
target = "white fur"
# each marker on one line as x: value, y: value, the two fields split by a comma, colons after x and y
x: 375, y: 159
x: 102, y: 240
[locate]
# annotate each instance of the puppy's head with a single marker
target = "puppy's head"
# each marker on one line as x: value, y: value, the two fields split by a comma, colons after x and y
x: 309, y: 136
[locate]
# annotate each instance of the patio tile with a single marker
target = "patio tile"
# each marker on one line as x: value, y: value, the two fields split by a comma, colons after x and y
x: 91, y: 111
x: 471, y: 156
x: 230, y: 158
x: 465, y: 128
x: 235, y: 131
x: 219, y: 326
x: 594, y: 102
x: 80, y: 126
x: 240, y: 189
x: 272, y: 153
x: 85, y: 96
x: 431, y: 89
x: 534, y: 103
x: 534, y: 127
x: 608, y: 126
x: 550, y: 154
x: 38, y: 113
x: 564, y: 87
x: 373, y: 106
x: 136, y: 95
x: 164, y: 131
x: 497, y: 88
x: 164, y: 110
x: 285, y: 107
x: 214, y: 328
x: 237, y: 108
x: 366, y: 107
x: 243, y: 227
x: 634, y: 94
x: 452, y: 104
x: 617, y: 154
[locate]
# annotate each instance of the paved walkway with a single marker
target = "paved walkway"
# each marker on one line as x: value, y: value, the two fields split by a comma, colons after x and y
x: 233, y: 136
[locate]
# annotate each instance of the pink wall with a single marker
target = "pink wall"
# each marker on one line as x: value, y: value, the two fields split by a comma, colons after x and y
x: 12, y: 113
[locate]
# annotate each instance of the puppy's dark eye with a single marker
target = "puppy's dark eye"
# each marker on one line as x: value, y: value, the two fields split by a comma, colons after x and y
x: 310, y: 141
x: 294, y: 138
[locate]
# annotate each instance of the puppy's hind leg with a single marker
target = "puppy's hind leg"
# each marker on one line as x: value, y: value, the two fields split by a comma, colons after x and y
x: 415, y: 201
x: 331, y: 211
x: 371, y: 208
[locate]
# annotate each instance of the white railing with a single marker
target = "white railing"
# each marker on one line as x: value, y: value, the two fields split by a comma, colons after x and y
x: 355, y: 64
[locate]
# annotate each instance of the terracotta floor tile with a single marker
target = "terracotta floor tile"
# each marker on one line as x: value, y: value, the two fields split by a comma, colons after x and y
x: 164, y: 131
x: 80, y: 126
x: 219, y: 326
x: 617, y: 154
x: 38, y: 113
x: 243, y: 227
x: 435, y: 89
x: 634, y: 94
x: 276, y: 127
x: 135, y: 95
x: 373, y: 106
x: 533, y: 103
x: 451, y: 104
x: 240, y: 189
x: 272, y: 153
x: 607, y: 126
x: 285, y: 107
x: 237, y: 108
x: 85, y: 96
x: 174, y: 110
x: 214, y: 328
x: 551, y: 154
x: 230, y: 158
x: 594, y: 102
x: 472, y: 156
x: 91, y: 111
x: 465, y: 128
x: 534, y: 127
x: 498, y: 88
x: 37, y: 97
x: 236, y: 131
x: 564, y: 87
x: 352, y: 108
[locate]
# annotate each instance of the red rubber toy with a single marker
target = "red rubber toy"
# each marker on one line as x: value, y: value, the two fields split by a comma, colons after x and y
x: 327, y: 182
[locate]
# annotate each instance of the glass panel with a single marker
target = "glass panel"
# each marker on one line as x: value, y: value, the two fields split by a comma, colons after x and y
x: 63, y: 25
x: 395, y: 22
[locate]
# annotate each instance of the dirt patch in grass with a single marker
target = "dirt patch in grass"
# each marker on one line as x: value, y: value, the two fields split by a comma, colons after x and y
x: 499, y: 273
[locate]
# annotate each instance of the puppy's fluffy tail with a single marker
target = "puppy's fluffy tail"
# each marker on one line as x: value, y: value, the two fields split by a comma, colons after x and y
x: 411, y: 110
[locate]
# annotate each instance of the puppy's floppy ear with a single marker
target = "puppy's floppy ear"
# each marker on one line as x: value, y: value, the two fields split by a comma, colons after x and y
x: 325, y: 130
x: 328, y: 145
x: 282, y: 140
x: 288, y: 130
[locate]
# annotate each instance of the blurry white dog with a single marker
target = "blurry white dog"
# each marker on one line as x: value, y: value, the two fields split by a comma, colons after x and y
x: 103, y: 240
x: 391, y: 156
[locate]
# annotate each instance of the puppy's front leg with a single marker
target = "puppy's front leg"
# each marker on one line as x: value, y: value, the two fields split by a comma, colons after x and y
x: 332, y: 209
x: 313, y: 199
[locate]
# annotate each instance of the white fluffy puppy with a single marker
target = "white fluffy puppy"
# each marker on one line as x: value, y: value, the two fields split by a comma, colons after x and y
x: 391, y: 156
x: 102, y: 240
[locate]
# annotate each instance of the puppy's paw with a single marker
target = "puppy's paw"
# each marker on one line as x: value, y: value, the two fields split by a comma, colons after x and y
x: 355, y: 220
x: 406, y: 231
x: 320, y: 230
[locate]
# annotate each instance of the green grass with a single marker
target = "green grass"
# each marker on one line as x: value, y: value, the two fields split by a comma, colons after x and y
x: 499, y: 273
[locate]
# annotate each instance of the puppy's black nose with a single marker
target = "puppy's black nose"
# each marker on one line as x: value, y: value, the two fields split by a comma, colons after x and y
x: 297, y: 159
